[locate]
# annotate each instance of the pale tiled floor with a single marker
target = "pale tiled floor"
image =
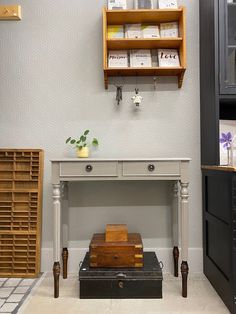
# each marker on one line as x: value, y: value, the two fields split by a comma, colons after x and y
x: 13, y: 291
x: 201, y: 299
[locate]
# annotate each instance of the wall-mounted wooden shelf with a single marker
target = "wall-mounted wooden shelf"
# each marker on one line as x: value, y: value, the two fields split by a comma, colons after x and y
x: 123, y: 17
x: 143, y: 16
x: 143, y: 43
x: 154, y: 71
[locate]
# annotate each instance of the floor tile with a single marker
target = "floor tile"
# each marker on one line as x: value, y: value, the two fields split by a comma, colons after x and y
x: 8, y: 307
x: 26, y: 282
x: 12, y: 294
x: 15, y: 297
x: 21, y: 289
x: 3, y: 279
x: 12, y: 282
x: 5, y: 292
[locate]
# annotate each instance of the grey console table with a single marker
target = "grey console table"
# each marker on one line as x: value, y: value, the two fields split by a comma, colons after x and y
x: 176, y: 170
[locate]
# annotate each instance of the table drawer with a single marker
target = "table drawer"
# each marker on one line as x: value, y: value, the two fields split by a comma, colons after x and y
x: 88, y: 169
x: 151, y: 168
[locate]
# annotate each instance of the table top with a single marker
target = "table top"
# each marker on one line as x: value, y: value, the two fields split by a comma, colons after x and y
x: 118, y: 159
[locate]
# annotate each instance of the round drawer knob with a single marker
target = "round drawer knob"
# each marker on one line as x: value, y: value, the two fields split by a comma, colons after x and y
x: 151, y: 167
x: 89, y: 168
x: 121, y: 284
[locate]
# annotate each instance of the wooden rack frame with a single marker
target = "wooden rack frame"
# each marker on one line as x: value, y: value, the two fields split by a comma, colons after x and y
x: 21, y: 174
x: 122, y: 17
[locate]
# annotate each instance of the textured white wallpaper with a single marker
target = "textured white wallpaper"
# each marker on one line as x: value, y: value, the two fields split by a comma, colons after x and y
x: 51, y: 87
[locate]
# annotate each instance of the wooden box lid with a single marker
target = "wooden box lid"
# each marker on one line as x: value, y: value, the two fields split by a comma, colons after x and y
x: 150, y: 270
x: 98, y: 242
x: 116, y: 233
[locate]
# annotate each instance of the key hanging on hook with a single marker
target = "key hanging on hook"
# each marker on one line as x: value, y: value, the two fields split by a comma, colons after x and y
x: 118, y: 94
x: 155, y: 82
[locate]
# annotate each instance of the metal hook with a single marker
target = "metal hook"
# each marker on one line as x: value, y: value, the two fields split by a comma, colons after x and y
x: 155, y: 82
x: 118, y: 94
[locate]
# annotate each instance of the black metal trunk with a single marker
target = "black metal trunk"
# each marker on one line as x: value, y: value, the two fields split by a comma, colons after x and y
x: 124, y: 283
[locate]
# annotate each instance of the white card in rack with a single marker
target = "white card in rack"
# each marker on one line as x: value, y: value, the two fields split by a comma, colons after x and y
x: 168, y: 4
x: 168, y: 58
x: 118, y: 59
x: 117, y: 4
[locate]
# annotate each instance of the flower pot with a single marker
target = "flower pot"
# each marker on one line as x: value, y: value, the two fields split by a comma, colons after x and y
x: 83, y: 152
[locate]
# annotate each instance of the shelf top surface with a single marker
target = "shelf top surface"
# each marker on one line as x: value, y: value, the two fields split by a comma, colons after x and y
x: 221, y: 167
x: 149, y: 68
x: 140, y: 11
x: 145, y: 71
x: 144, y: 43
x: 19, y: 150
x: 146, y: 39
x: 143, y: 16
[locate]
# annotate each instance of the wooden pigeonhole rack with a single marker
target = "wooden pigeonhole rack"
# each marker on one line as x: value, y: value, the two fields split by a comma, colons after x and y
x: 21, y: 172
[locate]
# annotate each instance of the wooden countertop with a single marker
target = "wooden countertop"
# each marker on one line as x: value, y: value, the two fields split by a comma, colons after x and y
x: 221, y: 168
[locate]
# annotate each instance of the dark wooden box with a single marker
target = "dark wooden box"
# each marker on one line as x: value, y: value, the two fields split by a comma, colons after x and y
x: 124, y: 283
x: 116, y: 254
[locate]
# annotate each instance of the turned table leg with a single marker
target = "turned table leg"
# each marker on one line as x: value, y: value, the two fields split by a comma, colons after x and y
x: 57, y: 236
x: 65, y: 209
x: 184, y: 237
x: 64, y: 260
x: 184, y: 272
x: 56, y: 275
x: 176, y: 261
x: 175, y: 224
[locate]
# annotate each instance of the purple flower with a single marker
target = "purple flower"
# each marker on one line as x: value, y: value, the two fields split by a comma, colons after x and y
x: 226, y: 139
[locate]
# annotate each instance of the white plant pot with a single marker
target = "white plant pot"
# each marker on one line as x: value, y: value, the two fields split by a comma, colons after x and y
x: 83, y: 152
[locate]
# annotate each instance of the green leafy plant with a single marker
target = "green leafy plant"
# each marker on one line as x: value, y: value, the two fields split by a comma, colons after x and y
x: 82, y: 141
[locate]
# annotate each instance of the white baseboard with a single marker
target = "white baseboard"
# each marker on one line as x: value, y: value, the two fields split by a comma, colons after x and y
x: 164, y: 254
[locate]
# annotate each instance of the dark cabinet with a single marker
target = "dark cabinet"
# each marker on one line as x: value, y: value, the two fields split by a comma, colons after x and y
x: 218, y: 101
x: 227, y: 46
x: 217, y: 73
x: 219, y: 233
x: 209, y: 83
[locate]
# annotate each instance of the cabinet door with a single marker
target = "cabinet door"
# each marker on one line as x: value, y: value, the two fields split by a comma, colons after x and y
x: 227, y: 46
